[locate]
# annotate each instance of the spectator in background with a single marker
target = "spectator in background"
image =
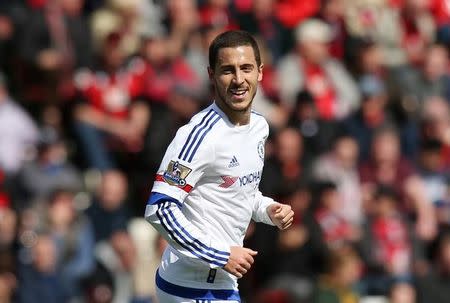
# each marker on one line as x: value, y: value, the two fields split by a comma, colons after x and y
x: 418, y: 29
x: 441, y: 12
x: 368, y: 60
x: 342, y: 273
x: 11, y: 17
x: 310, y: 67
x: 18, y: 132
x: 126, y: 17
x: 262, y: 22
x: 403, y: 292
x: 431, y: 79
x: 149, y: 246
x: 50, y: 170
x: 118, y: 255
x: 40, y: 281
x: 435, y: 125
x: 73, y: 235
x: 336, y: 229
x: 182, y: 21
x: 162, y: 71
x: 299, y: 252
x: 433, y: 287
x: 55, y: 44
x: 332, y: 12
x: 108, y: 211
x: 340, y: 166
x: 8, y: 280
x: 403, y: 29
x: 433, y: 173
x: 8, y: 228
x: 293, y: 12
x: 212, y: 11
x: 288, y: 165
x: 386, y: 166
x: 316, y: 132
x: 371, y: 116
x: 8, y: 251
x: 110, y: 120
x: 389, y: 248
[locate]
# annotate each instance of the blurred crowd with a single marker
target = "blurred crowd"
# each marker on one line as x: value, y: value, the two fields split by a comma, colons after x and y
x: 357, y: 95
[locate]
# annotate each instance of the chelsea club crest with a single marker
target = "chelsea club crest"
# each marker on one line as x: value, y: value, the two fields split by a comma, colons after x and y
x: 261, y: 148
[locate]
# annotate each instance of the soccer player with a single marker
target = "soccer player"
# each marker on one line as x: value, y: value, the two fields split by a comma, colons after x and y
x: 206, y: 190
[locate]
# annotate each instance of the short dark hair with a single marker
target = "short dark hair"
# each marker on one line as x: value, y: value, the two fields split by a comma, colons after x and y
x: 233, y: 38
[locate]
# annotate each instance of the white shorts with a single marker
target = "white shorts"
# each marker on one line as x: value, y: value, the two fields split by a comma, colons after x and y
x: 164, y: 297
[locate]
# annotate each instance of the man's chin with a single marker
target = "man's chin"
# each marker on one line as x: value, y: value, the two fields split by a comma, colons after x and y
x: 240, y: 106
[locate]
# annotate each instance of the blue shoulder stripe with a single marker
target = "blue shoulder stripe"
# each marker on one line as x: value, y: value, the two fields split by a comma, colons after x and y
x: 206, y: 127
x: 202, y: 137
x: 193, y: 131
x: 196, y: 293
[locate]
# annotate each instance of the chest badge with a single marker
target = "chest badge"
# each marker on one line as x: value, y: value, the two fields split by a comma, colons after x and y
x: 261, y: 148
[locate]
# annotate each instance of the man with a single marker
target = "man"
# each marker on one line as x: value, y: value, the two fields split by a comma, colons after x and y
x: 204, y: 211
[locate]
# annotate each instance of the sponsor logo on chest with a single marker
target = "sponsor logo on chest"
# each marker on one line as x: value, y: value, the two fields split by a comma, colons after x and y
x: 249, y: 179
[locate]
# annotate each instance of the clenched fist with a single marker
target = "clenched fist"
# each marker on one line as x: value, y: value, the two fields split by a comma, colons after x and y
x: 240, y: 261
x: 281, y: 215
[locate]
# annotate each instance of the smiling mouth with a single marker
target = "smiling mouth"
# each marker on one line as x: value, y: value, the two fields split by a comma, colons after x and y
x: 238, y: 92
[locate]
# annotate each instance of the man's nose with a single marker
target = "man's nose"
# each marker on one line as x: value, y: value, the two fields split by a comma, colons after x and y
x: 238, y: 77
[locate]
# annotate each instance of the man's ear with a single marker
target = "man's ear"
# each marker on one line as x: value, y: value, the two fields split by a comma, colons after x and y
x: 260, y: 72
x: 210, y: 73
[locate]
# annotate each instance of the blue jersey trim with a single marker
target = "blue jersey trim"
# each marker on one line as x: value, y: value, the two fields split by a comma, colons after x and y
x: 177, y: 236
x: 223, y: 253
x: 196, y: 293
x: 156, y: 198
x: 192, y: 133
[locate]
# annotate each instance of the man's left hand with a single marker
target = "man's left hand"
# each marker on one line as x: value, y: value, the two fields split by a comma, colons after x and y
x: 281, y: 215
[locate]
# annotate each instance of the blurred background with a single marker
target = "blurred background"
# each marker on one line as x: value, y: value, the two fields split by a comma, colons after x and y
x: 357, y: 95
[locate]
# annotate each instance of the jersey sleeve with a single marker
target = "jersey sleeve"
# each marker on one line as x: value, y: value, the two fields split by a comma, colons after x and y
x: 184, y: 163
x: 261, y: 202
x: 260, y: 205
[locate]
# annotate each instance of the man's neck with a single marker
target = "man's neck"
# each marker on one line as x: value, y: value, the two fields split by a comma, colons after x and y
x: 237, y: 118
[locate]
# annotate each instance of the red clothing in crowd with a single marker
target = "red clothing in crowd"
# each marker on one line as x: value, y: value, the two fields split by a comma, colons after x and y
x: 336, y: 230
x: 392, y: 243
x: 441, y: 11
x: 157, y: 83
x: 292, y: 12
x: 322, y: 89
x: 110, y: 93
x: 370, y: 174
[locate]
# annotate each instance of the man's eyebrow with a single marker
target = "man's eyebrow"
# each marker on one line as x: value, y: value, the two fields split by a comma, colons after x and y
x: 247, y: 65
x: 226, y: 66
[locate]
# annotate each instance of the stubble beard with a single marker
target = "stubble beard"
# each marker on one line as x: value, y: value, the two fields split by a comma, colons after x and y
x: 230, y: 108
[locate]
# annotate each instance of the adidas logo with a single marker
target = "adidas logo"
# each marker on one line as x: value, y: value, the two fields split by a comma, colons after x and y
x: 234, y: 162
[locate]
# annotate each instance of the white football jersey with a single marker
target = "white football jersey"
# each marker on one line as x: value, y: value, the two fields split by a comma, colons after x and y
x: 204, y: 196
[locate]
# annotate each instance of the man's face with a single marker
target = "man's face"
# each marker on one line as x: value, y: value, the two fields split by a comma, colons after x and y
x: 235, y: 77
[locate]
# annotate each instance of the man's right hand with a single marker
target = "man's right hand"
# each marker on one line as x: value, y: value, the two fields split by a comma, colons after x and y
x: 240, y: 261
